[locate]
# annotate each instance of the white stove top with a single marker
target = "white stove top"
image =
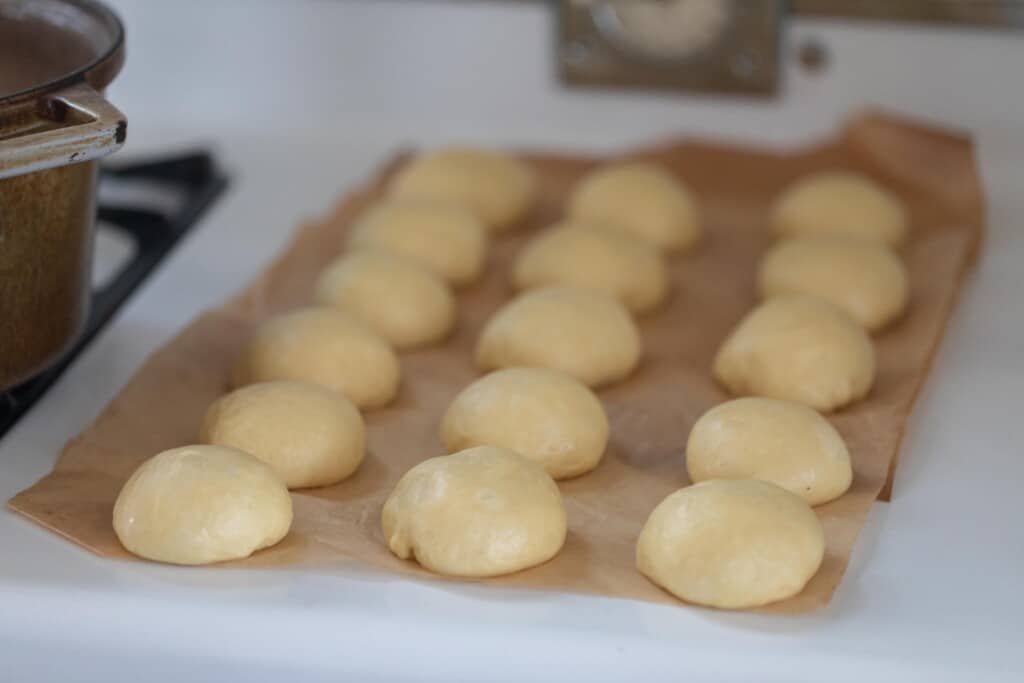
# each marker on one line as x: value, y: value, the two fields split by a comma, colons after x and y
x: 933, y: 591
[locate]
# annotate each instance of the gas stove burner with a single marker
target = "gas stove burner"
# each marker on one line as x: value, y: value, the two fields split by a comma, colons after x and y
x: 146, y: 207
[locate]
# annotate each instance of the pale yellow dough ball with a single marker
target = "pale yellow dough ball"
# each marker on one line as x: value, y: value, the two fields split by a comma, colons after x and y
x: 447, y: 239
x: 201, y: 504
x: 404, y: 303
x: 840, y: 203
x: 865, y: 279
x: 798, y: 348
x: 480, y: 512
x: 323, y: 346
x: 731, y: 544
x: 594, y: 257
x: 310, y: 435
x: 642, y: 199
x: 762, y: 438
x: 497, y: 187
x: 544, y: 415
x: 585, y: 334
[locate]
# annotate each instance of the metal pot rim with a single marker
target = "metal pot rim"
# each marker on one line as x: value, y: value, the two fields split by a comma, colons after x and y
x: 112, y: 53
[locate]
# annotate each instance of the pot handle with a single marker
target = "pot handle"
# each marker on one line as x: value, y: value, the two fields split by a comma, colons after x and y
x: 87, y: 127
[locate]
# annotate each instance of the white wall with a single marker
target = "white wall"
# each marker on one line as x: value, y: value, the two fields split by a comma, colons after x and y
x: 423, y: 70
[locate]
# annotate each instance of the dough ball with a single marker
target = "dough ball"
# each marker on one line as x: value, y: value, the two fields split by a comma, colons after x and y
x: 596, y: 258
x: 762, y: 438
x: 310, y: 435
x: 588, y: 335
x: 498, y: 188
x: 731, y: 544
x: 404, y: 303
x: 484, y: 511
x: 840, y: 203
x: 642, y: 199
x: 447, y: 239
x: 544, y: 415
x: 201, y: 504
x: 798, y: 348
x: 326, y: 347
x: 865, y: 279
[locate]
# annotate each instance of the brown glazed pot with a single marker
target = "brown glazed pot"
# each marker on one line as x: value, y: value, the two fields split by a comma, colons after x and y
x: 56, y: 58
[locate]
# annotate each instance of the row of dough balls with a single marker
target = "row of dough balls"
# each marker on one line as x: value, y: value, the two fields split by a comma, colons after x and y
x: 487, y: 510
x: 833, y: 279
x: 760, y: 462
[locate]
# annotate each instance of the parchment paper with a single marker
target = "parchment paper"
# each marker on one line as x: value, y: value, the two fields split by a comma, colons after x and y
x: 651, y: 413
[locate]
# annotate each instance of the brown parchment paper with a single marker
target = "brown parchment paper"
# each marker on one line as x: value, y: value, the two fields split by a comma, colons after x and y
x: 651, y: 413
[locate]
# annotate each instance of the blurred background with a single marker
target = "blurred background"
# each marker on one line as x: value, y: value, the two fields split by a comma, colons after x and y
x: 302, y: 98
x: 567, y: 72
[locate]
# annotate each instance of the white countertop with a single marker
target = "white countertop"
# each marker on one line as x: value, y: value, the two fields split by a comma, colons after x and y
x: 301, y: 100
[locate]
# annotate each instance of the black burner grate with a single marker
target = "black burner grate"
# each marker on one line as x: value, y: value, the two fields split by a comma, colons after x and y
x: 160, y: 201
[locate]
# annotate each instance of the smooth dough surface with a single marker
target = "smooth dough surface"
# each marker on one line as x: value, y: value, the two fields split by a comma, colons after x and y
x: 865, y: 279
x: 544, y: 415
x: 498, y: 188
x: 594, y: 257
x: 785, y: 443
x: 731, y: 544
x: 840, y: 203
x: 310, y: 435
x: 484, y: 511
x: 447, y: 239
x: 404, y: 303
x: 323, y: 346
x: 201, y: 504
x: 642, y: 199
x: 588, y: 335
x: 798, y: 348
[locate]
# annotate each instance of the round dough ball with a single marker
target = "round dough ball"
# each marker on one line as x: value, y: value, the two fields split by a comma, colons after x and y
x: 498, y: 188
x: 446, y: 239
x: 310, y: 435
x: 867, y: 280
x: 322, y: 346
x: 840, y: 203
x: 484, y: 511
x: 763, y: 438
x: 595, y: 258
x: 642, y: 199
x: 201, y: 504
x: 588, y: 335
x: 731, y: 544
x: 798, y: 348
x: 404, y: 303
x: 544, y: 415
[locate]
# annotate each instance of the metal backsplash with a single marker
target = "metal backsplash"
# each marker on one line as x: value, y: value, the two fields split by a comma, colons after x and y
x: 723, y: 46
x: 993, y: 13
